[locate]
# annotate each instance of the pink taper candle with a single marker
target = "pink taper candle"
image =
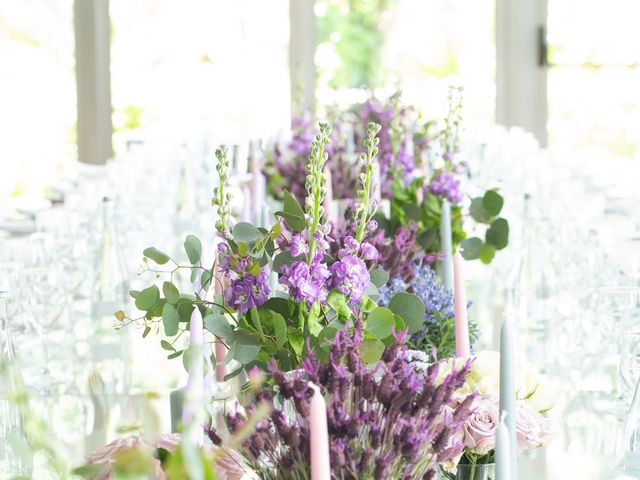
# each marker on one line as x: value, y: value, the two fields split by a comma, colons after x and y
x: 460, y: 309
x: 319, y: 434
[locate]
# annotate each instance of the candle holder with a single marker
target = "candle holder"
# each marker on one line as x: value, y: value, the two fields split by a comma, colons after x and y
x: 483, y: 471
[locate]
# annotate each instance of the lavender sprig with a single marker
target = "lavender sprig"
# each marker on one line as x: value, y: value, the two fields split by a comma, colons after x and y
x: 221, y: 199
x: 390, y: 420
x: 365, y: 209
x: 316, y: 186
x: 451, y: 134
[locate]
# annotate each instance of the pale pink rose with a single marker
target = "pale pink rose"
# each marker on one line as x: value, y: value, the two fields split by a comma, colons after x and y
x: 168, y: 442
x: 532, y: 428
x: 106, y: 455
x: 480, y: 428
x: 229, y: 463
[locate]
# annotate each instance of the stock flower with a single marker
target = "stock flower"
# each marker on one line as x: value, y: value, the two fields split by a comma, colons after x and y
x: 306, y: 282
x: 299, y: 246
x: 350, y: 277
x: 247, y: 292
x: 445, y: 185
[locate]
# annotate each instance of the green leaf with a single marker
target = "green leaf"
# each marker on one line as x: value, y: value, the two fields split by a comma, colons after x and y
x: 134, y: 293
x: 283, y: 258
x: 379, y: 322
x: 378, y: 277
x: 371, y: 350
x: 279, y: 305
x: 167, y: 346
x: 296, y: 339
x: 185, y: 309
x: 246, y: 347
x: 87, y: 471
x: 409, y: 308
x: 293, y: 213
x: 492, y: 202
x: 245, y: 232
x: 255, y: 319
x: 170, y: 319
x: 156, y: 255
x: 328, y: 333
x: 171, y: 293
x: 487, y: 252
x: 478, y: 211
x: 274, y: 323
x: 471, y: 248
x: 498, y: 234
x: 173, y: 355
x: 147, y: 298
x: 146, y: 331
x: 338, y: 302
x: 234, y: 374
x: 218, y: 325
x: 193, y: 247
x: 399, y: 324
x: 205, y: 279
x: 312, y: 320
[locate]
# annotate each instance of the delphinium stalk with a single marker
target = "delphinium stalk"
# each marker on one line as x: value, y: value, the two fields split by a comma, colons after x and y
x: 451, y: 137
x: 365, y: 209
x: 222, y: 199
x: 316, y: 186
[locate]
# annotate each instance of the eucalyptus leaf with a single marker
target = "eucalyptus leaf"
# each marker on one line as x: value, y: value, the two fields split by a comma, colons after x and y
x: 492, y: 202
x: 275, y: 323
x: 410, y: 308
x: 478, y: 211
x: 170, y: 319
x: 379, y: 322
x: 218, y: 325
x: 378, y: 277
x: 193, y: 247
x: 279, y: 305
x: 246, y: 347
x: 147, y: 298
x: 371, y: 350
x: 487, y: 252
x: 498, y: 234
x: 167, y: 346
x: 156, y: 255
x: 171, y: 292
x: 471, y: 248
x: 245, y: 232
x: 312, y: 320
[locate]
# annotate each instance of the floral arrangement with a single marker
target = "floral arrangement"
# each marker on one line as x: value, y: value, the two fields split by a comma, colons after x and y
x: 385, y: 420
x: 478, y: 434
x: 437, y: 332
x: 320, y: 292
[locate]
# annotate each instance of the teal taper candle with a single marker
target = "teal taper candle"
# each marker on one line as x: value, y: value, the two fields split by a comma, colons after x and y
x: 507, y: 389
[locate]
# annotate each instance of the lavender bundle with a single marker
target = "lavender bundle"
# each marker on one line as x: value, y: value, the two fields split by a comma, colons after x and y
x: 385, y: 421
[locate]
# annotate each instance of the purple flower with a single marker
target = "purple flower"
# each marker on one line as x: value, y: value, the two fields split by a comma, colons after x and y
x: 369, y: 252
x: 248, y: 292
x: 299, y: 246
x: 306, y: 282
x: 445, y: 185
x: 350, y: 277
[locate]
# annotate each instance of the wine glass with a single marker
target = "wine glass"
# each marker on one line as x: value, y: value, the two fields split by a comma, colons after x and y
x: 44, y: 301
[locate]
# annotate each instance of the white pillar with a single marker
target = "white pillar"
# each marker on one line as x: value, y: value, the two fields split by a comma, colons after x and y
x: 521, y: 75
x: 93, y: 80
x: 302, y: 49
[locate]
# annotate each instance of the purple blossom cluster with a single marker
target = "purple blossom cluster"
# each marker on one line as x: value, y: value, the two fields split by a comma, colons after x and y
x: 246, y: 289
x: 445, y: 185
x: 387, y: 420
x: 312, y: 281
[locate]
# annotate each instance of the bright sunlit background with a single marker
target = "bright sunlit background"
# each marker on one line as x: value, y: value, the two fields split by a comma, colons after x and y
x: 219, y: 70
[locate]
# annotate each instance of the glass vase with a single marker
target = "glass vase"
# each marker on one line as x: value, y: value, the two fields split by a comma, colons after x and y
x: 484, y: 471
